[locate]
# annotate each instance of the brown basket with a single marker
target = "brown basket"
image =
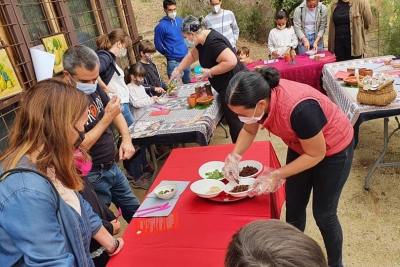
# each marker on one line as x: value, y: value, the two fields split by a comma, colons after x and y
x: 382, y: 96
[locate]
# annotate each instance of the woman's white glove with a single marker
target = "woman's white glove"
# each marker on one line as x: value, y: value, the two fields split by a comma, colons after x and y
x: 266, y: 183
x: 175, y: 75
x: 231, y: 167
x: 205, y: 74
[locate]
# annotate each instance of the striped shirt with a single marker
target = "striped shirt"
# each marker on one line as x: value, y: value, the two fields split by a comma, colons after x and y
x: 224, y: 22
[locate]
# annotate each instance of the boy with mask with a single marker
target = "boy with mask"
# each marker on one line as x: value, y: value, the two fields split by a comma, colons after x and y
x: 223, y: 21
x: 153, y: 83
x: 169, y: 40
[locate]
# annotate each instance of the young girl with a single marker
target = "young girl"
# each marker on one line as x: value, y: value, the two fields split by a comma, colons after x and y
x: 283, y: 37
x: 139, y: 100
x: 243, y: 55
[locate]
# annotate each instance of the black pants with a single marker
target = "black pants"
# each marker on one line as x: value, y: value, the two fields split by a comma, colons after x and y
x: 326, y: 179
x: 343, y: 48
x: 235, y: 125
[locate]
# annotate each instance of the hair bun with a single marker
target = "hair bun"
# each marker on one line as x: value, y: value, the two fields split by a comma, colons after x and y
x: 271, y: 75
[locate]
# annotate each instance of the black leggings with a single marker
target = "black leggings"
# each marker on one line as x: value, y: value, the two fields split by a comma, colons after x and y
x: 326, y: 179
x: 343, y: 48
x: 235, y: 125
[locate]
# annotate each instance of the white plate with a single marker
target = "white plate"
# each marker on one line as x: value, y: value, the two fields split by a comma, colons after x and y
x: 253, y: 163
x: 242, y: 181
x: 310, y: 52
x: 201, y: 187
x: 210, y: 167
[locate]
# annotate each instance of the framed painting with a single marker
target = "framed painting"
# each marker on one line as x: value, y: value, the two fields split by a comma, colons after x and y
x: 9, y: 84
x: 56, y: 45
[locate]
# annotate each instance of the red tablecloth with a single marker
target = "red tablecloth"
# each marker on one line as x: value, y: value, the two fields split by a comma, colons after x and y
x: 203, y: 227
x: 305, y: 70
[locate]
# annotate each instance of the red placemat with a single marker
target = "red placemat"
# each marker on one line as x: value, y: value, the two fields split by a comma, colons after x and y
x: 160, y: 112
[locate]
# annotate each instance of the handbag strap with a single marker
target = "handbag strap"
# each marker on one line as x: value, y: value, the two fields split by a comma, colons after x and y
x: 4, y: 175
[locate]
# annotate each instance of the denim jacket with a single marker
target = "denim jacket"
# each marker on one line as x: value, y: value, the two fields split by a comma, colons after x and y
x: 31, y: 227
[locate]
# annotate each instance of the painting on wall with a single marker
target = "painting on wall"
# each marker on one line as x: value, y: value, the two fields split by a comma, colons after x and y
x: 56, y: 45
x: 9, y: 84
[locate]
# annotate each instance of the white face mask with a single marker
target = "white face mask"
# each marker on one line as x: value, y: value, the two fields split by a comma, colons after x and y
x: 122, y: 52
x: 172, y: 15
x: 87, y: 88
x: 216, y: 8
x: 252, y: 119
x: 281, y: 27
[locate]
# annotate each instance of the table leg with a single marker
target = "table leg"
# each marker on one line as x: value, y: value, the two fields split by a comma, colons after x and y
x: 154, y: 159
x: 378, y: 163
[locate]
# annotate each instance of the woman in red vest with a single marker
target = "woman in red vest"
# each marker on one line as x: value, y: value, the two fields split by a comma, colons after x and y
x: 320, y: 144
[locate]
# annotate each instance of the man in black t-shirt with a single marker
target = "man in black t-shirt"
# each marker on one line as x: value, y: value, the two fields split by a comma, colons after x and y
x: 81, y: 68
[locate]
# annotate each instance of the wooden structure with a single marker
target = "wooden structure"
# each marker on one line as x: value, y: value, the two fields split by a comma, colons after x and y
x: 24, y: 22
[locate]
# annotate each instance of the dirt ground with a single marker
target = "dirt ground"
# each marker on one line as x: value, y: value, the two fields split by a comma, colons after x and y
x: 370, y: 219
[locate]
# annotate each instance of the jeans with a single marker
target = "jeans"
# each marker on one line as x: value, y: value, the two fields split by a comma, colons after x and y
x: 172, y: 64
x: 326, y: 179
x: 126, y: 112
x: 311, y: 40
x: 112, y: 186
x: 235, y: 125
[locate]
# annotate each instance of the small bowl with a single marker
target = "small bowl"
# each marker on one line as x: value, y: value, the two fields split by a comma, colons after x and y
x: 242, y: 181
x: 166, y: 191
x: 395, y: 63
x: 252, y: 163
x: 173, y: 92
x: 311, y: 52
x: 201, y: 187
x: 351, y: 80
x: 194, y: 95
x: 162, y: 101
x: 204, y: 100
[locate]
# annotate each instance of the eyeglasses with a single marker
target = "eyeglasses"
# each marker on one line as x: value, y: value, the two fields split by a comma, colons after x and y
x: 81, y: 137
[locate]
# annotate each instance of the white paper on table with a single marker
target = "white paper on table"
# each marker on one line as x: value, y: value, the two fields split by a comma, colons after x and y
x: 397, y: 80
x: 181, y: 187
x: 43, y: 63
x: 369, y: 66
x: 151, y: 202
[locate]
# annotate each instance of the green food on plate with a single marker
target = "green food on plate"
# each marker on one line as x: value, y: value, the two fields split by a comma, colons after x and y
x: 216, y: 174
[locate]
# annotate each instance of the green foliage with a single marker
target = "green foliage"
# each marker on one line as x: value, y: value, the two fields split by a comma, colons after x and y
x: 389, y: 27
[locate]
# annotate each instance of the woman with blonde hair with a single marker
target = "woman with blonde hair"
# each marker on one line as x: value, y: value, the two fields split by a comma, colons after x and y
x: 43, y: 220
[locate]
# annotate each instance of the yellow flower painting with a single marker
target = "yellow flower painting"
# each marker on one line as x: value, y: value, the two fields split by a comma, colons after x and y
x: 9, y: 84
x: 56, y: 45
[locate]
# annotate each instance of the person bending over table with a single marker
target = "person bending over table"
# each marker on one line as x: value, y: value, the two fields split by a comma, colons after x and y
x: 219, y: 63
x: 282, y: 37
x: 273, y: 243
x: 310, y: 19
x: 320, y: 147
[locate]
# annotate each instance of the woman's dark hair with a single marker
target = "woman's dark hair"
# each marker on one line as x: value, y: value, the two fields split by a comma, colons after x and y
x: 246, y: 88
x: 283, y: 14
x: 135, y: 70
x: 191, y: 24
x: 271, y: 243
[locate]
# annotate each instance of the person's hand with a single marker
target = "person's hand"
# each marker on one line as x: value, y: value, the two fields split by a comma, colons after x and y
x: 155, y: 98
x: 175, y: 75
x: 126, y: 149
x: 116, y: 226
x: 113, y: 108
x: 231, y: 167
x: 205, y: 74
x: 315, y: 46
x: 159, y: 90
x: 120, y: 246
x: 275, y: 54
x: 306, y: 43
x: 268, y: 182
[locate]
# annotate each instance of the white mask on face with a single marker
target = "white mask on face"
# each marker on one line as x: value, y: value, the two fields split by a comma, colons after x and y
x: 216, y: 8
x: 281, y: 27
x: 252, y: 119
x: 172, y: 15
x: 122, y: 52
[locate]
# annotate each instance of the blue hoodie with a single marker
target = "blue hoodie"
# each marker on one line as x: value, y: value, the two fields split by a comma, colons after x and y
x: 168, y: 38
